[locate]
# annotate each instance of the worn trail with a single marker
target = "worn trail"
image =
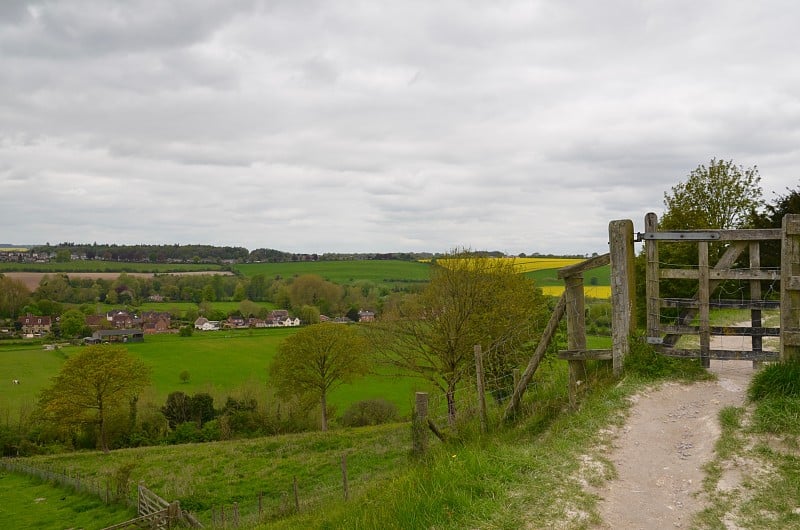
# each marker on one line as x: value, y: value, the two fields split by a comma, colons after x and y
x: 660, y: 452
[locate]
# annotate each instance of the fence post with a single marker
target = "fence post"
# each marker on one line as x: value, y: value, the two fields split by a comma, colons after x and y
x: 651, y: 286
x: 623, y: 287
x: 576, y: 334
x: 344, y: 477
x: 481, y: 386
x: 419, y: 426
x: 790, y: 290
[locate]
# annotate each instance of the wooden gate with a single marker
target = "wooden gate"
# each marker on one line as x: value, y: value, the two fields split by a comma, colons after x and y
x: 691, y: 316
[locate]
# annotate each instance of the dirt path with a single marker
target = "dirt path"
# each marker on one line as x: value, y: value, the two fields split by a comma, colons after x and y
x: 660, y: 452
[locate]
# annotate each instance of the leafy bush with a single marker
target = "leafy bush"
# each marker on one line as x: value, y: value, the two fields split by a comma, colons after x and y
x: 369, y: 412
x: 776, y: 380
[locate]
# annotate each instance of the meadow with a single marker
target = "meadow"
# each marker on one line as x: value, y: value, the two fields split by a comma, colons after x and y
x: 389, y: 273
x: 221, y: 363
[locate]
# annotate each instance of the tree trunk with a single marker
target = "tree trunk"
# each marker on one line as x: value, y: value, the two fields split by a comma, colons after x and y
x: 324, y: 404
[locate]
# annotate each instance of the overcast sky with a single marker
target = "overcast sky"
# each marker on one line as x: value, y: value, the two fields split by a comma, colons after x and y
x: 336, y: 126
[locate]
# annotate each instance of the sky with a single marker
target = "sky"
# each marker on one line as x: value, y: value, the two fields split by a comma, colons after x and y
x: 372, y: 126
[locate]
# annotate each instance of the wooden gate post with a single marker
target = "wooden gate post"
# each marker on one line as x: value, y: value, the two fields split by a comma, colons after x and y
x: 419, y: 426
x: 790, y: 288
x: 651, y: 286
x: 576, y: 334
x: 623, y: 289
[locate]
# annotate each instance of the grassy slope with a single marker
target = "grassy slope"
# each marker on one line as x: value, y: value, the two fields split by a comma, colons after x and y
x: 29, y: 503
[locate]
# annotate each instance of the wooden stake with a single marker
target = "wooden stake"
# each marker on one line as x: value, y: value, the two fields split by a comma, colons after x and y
x: 481, y: 387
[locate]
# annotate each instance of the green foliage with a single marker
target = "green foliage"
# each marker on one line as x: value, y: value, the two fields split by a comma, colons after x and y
x: 72, y: 323
x: 720, y: 196
x: 369, y: 412
x: 91, y: 385
x: 316, y: 360
x: 186, y: 331
x: 13, y: 297
x: 776, y: 380
x: 470, y: 301
x: 645, y: 362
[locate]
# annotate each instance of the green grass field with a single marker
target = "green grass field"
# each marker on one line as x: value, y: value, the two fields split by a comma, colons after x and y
x: 28, y: 503
x: 343, y: 272
x: 221, y: 363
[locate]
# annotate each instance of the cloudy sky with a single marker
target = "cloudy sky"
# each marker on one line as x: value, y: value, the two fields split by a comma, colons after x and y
x: 305, y: 126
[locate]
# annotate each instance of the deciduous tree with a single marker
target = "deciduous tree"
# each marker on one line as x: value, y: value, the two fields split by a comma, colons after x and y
x: 91, y: 385
x: 470, y: 300
x: 721, y: 196
x: 316, y: 360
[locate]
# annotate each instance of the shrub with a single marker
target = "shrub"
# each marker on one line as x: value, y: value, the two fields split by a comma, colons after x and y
x: 369, y: 412
x: 776, y: 380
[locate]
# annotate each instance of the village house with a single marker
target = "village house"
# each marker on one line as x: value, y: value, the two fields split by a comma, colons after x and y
x: 366, y: 316
x: 204, y: 324
x: 35, y: 325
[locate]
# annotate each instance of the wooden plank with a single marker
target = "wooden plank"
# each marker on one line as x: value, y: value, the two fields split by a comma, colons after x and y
x: 756, y: 343
x: 722, y: 274
x: 586, y: 355
x: 703, y: 294
x: 723, y: 355
x: 721, y: 303
x: 713, y: 235
x: 727, y: 331
x: 794, y: 283
x: 583, y: 266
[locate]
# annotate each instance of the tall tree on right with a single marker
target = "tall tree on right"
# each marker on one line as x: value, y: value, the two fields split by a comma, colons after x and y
x: 722, y: 196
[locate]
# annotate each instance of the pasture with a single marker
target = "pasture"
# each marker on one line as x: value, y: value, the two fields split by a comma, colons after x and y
x: 221, y: 363
x: 344, y: 272
x: 31, y: 503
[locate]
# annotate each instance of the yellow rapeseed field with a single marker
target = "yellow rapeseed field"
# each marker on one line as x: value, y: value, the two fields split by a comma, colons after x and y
x: 523, y: 265
x: 590, y: 291
x: 532, y: 264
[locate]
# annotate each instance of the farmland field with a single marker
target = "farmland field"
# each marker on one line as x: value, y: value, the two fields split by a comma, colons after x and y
x: 378, y: 271
x: 219, y: 362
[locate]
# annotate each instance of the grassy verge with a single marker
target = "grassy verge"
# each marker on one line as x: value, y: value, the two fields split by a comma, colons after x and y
x: 754, y: 480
